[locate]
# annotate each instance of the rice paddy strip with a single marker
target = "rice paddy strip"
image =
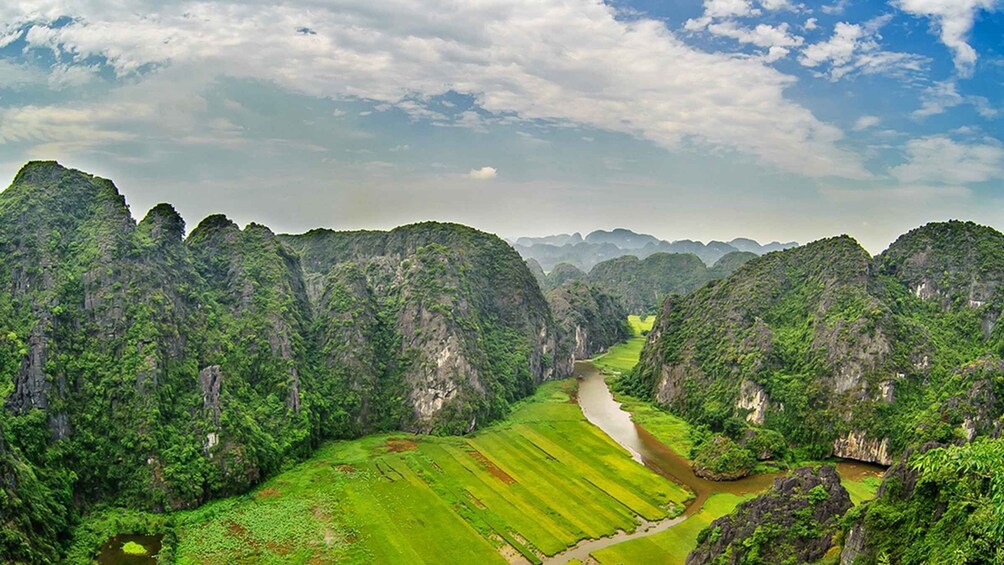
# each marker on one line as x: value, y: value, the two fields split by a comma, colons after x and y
x: 671, y: 546
x: 530, y: 486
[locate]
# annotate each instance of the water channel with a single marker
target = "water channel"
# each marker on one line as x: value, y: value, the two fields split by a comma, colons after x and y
x: 604, y: 412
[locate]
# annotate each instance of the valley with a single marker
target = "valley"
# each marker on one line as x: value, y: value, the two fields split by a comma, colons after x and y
x: 567, y: 476
x: 423, y: 395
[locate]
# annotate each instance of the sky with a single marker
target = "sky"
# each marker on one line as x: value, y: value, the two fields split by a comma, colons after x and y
x: 770, y: 119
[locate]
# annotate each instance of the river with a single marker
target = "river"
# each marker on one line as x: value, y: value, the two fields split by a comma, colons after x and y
x: 604, y: 412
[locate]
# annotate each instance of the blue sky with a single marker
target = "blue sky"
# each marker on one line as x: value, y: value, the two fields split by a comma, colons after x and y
x: 771, y: 119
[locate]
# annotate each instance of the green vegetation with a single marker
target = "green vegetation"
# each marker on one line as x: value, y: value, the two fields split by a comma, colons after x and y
x: 824, y: 330
x: 670, y: 546
x: 98, y: 527
x: 945, y: 505
x: 795, y: 522
x: 673, y: 431
x: 410, y: 499
x: 861, y: 490
x: 622, y: 357
x: 721, y: 459
x: 643, y: 284
x: 133, y: 548
x: 146, y: 370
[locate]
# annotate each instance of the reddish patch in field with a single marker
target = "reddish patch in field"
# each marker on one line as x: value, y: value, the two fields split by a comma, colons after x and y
x: 347, y: 469
x: 477, y: 502
x: 269, y: 492
x: 573, y: 394
x: 491, y: 467
x: 240, y: 532
x: 280, y: 549
x: 397, y: 445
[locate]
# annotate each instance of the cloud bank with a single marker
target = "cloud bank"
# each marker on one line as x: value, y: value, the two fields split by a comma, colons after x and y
x: 565, y: 62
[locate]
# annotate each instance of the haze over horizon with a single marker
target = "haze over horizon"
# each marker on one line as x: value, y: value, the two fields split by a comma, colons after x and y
x: 768, y: 119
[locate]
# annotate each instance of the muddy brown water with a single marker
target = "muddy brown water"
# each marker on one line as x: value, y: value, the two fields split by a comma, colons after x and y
x: 604, y: 412
x: 112, y: 554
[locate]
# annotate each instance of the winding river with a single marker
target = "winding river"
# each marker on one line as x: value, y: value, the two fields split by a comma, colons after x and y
x: 603, y: 411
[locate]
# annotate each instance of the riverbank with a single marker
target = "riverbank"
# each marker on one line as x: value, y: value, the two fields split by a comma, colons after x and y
x: 554, y: 482
x: 672, y: 541
x: 667, y: 441
x: 519, y: 491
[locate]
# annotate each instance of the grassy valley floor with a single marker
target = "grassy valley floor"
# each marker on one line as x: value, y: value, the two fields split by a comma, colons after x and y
x: 526, y: 488
x: 530, y: 486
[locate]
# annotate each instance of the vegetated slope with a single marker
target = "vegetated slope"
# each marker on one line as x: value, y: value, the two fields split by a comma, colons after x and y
x: 729, y: 264
x: 941, y: 504
x: 563, y: 273
x: 583, y: 255
x: 625, y: 239
x: 152, y: 371
x: 644, y: 283
x: 840, y: 353
x: 795, y: 522
x: 538, y: 272
x: 591, y: 319
x: 462, y: 322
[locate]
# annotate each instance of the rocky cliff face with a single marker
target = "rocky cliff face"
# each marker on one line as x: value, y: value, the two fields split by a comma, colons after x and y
x: 836, y: 350
x: 591, y: 319
x: 464, y: 328
x: 166, y: 370
x: 794, y: 522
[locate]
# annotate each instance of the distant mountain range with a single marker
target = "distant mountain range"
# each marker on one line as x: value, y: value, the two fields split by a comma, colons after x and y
x: 598, y: 246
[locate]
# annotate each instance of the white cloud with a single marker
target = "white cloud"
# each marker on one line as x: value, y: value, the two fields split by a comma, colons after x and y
x: 484, y: 173
x: 772, y: 5
x: 954, y: 20
x: 894, y: 196
x: 944, y: 95
x: 69, y: 125
x: 939, y: 159
x: 64, y: 75
x: 567, y: 62
x: 15, y: 76
x: 810, y: 24
x: 763, y: 35
x: 837, y: 7
x: 775, y: 53
x: 865, y: 122
x: 727, y: 8
x: 938, y: 98
x: 854, y: 48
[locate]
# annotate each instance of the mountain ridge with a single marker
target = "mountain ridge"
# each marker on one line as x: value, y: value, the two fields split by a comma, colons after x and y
x: 199, y: 365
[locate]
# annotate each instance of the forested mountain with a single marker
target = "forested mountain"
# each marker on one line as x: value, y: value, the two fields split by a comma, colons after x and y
x: 839, y: 352
x: 825, y: 350
x: 622, y: 238
x: 599, y: 246
x: 642, y: 284
x: 151, y: 370
x: 591, y: 319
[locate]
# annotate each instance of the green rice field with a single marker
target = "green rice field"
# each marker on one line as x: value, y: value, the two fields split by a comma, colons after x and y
x: 528, y: 487
x: 673, y: 545
x: 624, y: 356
